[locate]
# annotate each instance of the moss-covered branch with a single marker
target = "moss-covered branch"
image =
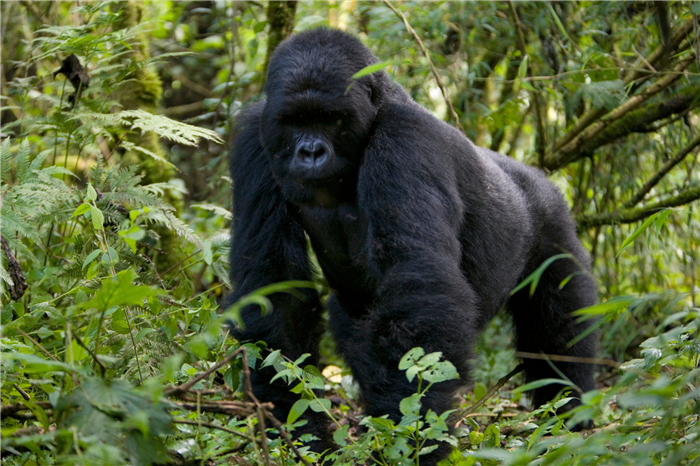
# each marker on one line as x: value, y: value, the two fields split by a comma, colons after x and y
x: 634, y: 214
x: 679, y: 35
x: 634, y: 121
x: 573, y: 151
x: 280, y: 17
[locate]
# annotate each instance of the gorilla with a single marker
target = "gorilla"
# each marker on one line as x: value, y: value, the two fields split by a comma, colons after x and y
x: 420, y: 234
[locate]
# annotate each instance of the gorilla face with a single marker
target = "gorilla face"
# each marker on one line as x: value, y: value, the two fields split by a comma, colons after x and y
x: 316, y: 122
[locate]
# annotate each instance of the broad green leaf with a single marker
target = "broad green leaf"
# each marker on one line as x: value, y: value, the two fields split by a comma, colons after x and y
x: 607, y: 94
x: 441, y: 372
x: 410, y: 405
x: 609, y: 306
x: 91, y: 193
x: 298, y: 408
x: 410, y: 358
x: 320, y: 405
x: 341, y: 434
x: 81, y: 209
x: 119, y: 291
x: 91, y: 257
x: 98, y: 218
x: 522, y: 69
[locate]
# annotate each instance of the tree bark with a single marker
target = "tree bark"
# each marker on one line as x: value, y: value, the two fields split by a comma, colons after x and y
x: 280, y: 17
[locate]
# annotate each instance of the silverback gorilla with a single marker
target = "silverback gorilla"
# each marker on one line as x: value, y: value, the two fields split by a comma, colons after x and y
x: 421, y: 235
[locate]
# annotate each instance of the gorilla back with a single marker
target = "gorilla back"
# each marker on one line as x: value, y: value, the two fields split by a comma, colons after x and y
x: 420, y: 234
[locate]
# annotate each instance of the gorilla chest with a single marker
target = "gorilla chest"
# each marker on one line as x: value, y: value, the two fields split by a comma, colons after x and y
x: 338, y: 236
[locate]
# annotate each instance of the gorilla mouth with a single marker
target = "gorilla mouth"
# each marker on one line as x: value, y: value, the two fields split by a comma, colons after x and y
x: 314, y: 181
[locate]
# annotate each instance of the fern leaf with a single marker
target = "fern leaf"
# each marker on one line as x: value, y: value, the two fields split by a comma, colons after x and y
x: 131, y: 146
x: 216, y: 209
x: 181, y: 229
x: 5, y: 276
x: 5, y: 159
x: 173, y: 130
x: 38, y: 161
x: 22, y: 158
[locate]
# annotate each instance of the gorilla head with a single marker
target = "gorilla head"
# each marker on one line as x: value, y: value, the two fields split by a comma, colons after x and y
x: 317, y: 119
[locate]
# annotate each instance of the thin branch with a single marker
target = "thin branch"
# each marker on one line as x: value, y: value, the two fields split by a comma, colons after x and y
x: 492, y: 391
x: 37, y: 344
x: 286, y: 437
x: 430, y: 63
x: 211, y: 426
x: 668, y: 166
x: 637, y: 213
x: 17, y: 407
x: 535, y: 94
x: 183, y: 109
x: 556, y: 77
x: 644, y: 60
x: 563, y: 358
x: 24, y: 394
x: 696, y: 33
x: 186, y: 387
x: 94, y: 357
x: 218, y: 407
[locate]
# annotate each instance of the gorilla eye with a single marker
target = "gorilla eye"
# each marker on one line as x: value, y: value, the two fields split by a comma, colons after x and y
x: 369, y: 93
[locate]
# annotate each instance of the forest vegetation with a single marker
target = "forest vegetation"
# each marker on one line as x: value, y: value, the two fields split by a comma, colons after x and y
x: 115, y: 129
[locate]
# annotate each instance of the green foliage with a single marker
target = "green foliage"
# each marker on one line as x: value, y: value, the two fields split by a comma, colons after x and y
x: 93, y: 348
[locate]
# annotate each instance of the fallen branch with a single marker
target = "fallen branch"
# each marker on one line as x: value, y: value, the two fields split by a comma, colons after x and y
x: 211, y: 426
x: 563, y: 358
x: 6, y: 410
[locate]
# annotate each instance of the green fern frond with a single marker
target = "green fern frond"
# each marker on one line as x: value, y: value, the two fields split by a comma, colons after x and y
x: 161, y: 188
x: 131, y: 146
x: 23, y: 161
x: 38, y: 161
x: 13, y: 224
x: 5, y: 158
x: 181, y: 229
x: 4, y: 275
x: 216, y: 209
x: 165, y: 127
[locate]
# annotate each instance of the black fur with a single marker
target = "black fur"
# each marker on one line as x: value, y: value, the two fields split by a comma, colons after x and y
x: 420, y: 234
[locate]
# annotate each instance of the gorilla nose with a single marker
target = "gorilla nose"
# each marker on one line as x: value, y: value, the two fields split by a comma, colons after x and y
x: 312, y: 153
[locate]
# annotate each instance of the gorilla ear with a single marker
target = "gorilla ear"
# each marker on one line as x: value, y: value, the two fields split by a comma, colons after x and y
x: 375, y: 88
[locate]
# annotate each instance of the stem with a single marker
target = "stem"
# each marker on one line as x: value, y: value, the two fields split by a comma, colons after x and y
x: 413, y: 33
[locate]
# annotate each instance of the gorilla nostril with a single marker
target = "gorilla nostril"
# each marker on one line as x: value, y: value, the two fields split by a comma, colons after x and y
x: 312, y: 153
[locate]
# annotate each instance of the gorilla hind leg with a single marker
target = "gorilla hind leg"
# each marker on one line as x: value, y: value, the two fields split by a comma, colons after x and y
x: 545, y: 325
